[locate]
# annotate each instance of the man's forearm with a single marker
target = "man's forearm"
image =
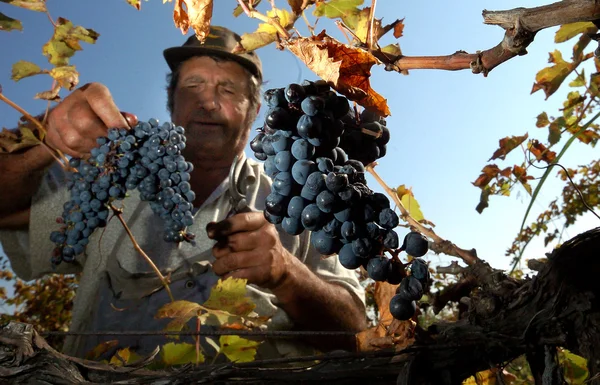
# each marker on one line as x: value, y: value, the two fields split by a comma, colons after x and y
x: 20, y: 176
x: 314, y: 304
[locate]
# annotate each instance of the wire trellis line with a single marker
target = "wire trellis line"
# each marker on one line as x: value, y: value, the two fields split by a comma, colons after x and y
x: 207, y: 333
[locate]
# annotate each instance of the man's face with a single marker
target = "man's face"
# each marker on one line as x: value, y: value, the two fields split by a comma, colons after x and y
x: 212, y: 103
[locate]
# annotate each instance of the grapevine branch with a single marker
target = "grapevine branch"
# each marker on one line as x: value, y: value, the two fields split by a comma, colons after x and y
x: 440, y: 244
x: 119, y: 214
x: 521, y: 25
x: 264, y: 18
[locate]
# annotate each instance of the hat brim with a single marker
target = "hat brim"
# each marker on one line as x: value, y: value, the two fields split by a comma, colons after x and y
x: 177, y: 55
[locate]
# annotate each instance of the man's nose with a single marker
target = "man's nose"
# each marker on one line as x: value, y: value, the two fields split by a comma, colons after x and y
x: 209, y: 99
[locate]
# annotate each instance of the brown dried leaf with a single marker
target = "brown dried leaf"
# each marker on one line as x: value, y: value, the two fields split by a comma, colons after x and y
x: 399, y: 29
x: 50, y: 94
x: 508, y: 144
x: 488, y: 173
x: 20, y: 139
x: 197, y: 14
x: 347, y: 69
x: 32, y: 5
x: 541, y: 152
x: 521, y: 174
x: 296, y: 6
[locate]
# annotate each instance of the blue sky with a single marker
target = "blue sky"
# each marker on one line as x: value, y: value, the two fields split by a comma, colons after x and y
x: 444, y: 125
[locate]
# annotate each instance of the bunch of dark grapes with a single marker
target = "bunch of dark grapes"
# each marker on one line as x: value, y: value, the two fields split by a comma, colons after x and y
x: 148, y: 158
x: 365, y: 138
x: 315, y: 186
x: 403, y: 304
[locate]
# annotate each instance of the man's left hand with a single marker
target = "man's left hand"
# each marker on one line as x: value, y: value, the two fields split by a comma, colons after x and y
x: 249, y: 247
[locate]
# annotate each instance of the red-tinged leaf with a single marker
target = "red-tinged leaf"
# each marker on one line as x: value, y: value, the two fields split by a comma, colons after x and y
x: 542, y: 120
x: 347, y: 69
x: 506, y: 172
x: 20, y: 139
x: 399, y: 29
x: 101, y: 349
x: 521, y: 174
x: 230, y: 296
x: 23, y: 69
x: 9, y: 24
x: 32, y: 5
x: 197, y: 14
x: 550, y: 78
x: 255, y: 40
x: 488, y: 173
x: 238, y: 349
x: 508, y: 144
x: 51, y: 94
x: 65, y: 41
x: 569, y: 31
x: 137, y: 4
x: 541, y: 152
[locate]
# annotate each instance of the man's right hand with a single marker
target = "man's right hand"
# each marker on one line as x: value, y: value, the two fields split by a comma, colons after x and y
x: 87, y: 113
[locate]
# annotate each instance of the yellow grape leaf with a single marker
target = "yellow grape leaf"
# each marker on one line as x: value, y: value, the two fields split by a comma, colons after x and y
x: 490, y: 377
x: 282, y: 15
x: 362, y: 26
x: 347, y: 10
x: 50, y: 94
x: 347, y: 69
x: 197, y: 14
x: 392, y: 49
x: 32, y: 5
x: 9, y: 24
x: 508, y: 144
x: 569, y: 31
x: 100, y: 349
x: 579, y: 81
x: 230, y: 296
x: 181, y: 354
x: 121, y: 357
x: 238, y: 349
x: 20, y: 139
x: 550, y: 78
x: 65, y: 41
x: 66, y: 76
x: 575, y: 367
x: 411, y: 204
x: 23, y: 69
x: 178, y: 309
x: 137, y: 4
x: 254, y: 40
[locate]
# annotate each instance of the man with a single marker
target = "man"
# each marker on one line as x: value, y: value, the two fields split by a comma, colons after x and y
x: 214, y: 94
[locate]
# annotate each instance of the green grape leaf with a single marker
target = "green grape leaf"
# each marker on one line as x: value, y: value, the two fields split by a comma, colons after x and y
x: 347, y: 10
x: 230, y: 296
x: 579, y: 81
x: 575, y: 367
x: 66, y: 76
x: 137, y: 4
x: 65, y: 41
x: 32, y: 5
x: 550, y: 78
x: 542, y: 120
x: 238, y: 349
x: 508, y: 144
x: 569, y: 31
x: 282, y: 15
x: 254, y: 40
x: 9, y: 24
x: 181, y: 354
x: 23, y: 69
x: 392, y: 49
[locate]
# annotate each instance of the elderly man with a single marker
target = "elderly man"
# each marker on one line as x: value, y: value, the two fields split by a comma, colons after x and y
x: 215, y: 95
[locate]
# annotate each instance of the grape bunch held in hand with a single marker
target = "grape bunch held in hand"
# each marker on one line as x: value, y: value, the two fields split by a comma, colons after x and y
x: 316, y: 186
x: 147, y: 158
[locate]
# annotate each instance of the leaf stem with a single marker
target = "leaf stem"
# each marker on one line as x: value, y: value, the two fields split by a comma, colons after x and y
x: 449, y: 248
x: 264, y: 18
x: 119, y: 214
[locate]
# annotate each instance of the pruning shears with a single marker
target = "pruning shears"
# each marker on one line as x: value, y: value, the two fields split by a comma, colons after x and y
x: 238, y: 201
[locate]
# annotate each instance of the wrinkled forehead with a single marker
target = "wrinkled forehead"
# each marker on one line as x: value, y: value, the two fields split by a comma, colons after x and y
x: 214, y: 70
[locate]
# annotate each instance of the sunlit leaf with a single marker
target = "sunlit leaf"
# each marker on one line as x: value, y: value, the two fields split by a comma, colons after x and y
x: 521, y: 174
x: 196, y: 14
x: 398, y: 30
x: 347, y: 69
x: 23, y: 69
x: 541, y: 152
x: 282, y: 15
x: 20, y: 139
x: 32, y: 5
x: 542, y: 120
x: 238, y: 349
x: 347, y: 10
x: 579, y: 81
x: 488, y: 173
x: 66, y: 76
x: 180, y: 354
x: 506, y: 145
x: 9, y: 24
x: 392, y: 49
x: 65, y: 41
x: 137, y: 4
x: 575, y: 367
x: 410, y: 203
x: 550, y: 78
x: 569, y: 31
x: 255, y: 40
x: 121, y: 357
x: 230, y: 296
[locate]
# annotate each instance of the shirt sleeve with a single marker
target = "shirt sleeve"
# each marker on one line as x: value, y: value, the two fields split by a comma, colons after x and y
x: 29, y: 251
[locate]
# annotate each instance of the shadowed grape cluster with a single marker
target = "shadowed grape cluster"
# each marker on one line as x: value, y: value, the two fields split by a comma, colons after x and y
x: 147, y: 158
x: 316, y: 186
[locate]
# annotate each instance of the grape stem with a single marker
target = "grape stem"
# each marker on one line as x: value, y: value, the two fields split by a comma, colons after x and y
x: 447, y: 247
x: 269, y: 20
x: 119, y: 214
x: 60, y: 158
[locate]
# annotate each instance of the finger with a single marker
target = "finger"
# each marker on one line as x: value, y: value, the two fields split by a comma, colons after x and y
x: 131, y: 119
x: 249, y: 240
x: 100, y: 100
x: 239, y: 222
x: 235, y: 261
x: 80, y: 127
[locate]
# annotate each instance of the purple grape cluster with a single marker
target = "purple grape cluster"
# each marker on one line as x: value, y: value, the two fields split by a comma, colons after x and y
x: 315, y: 185
x: 147, y: 158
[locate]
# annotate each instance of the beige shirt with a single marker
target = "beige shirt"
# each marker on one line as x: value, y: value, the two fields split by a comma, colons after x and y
x: 114, y: 275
